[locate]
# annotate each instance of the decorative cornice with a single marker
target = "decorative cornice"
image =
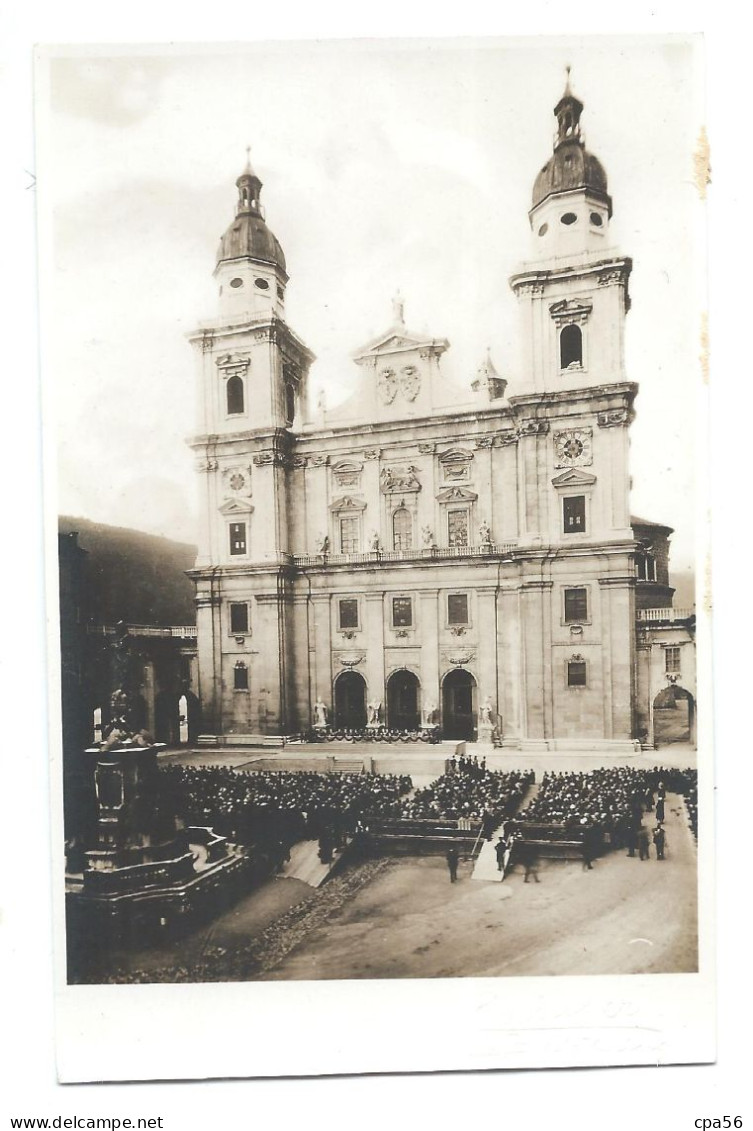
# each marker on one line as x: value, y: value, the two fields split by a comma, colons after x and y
x: 627, y: 581
x: 615, y: 418
x: 532, y: 427
x: 372, y: 453
x: 570, y: 311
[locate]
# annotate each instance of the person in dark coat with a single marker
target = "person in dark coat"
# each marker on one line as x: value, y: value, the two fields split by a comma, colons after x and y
x: 660, y: 841
x: 631, y: 838
x: 500, y: 849
x: 589, y: 847
x: 487, y: 825
x: 660, y: 809
x: 453, y: 856
x: 643, y: 850
x: 529, y: 858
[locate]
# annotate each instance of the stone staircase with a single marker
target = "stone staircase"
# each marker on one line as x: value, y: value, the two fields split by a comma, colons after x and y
x: 485, y: 867
x: 304, y: 864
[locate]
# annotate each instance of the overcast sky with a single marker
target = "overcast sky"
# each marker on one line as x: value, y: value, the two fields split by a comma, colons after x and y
x: 385, y: 165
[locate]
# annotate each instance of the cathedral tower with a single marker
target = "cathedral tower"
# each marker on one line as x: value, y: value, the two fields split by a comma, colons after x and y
x: 573, y: 292
x: 252, y: 378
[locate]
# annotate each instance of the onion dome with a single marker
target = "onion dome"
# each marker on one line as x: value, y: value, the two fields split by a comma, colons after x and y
x: 571, y: 166
x: 248, y: 236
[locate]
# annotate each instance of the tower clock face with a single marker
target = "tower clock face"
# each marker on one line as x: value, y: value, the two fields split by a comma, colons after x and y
x: 573, y: 447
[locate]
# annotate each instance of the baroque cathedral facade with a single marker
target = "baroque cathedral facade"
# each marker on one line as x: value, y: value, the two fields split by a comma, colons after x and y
x: 410, y: 558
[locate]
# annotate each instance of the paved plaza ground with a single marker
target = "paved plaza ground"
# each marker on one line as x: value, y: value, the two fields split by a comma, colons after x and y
x: 401, y: 917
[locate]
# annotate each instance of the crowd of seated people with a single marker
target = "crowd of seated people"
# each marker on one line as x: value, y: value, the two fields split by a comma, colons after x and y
x: 613, y: 800
x: 277, y: 809
x: 472, y: 796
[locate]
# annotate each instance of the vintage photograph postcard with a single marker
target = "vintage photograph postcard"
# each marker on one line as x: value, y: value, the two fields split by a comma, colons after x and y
x: 372, y: 376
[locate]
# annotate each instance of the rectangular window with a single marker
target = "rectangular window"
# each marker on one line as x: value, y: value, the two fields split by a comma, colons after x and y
x: 457, y: 608
x: 348, y: 613
x: 576, y: 605
x: 457, y: 527
x: 240, y: 677
x: 402, y: 612
x: 238, y: 618
x: 349, y: 536
x: 574, y: 514
x: 237, y: 537
x: 672, y: 660
x: 576, y: 673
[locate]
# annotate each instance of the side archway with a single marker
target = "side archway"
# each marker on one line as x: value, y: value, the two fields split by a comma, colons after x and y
x: 674, y: 716
x: 403, y: 700
x: 350, y: 701
x: 459, y: 705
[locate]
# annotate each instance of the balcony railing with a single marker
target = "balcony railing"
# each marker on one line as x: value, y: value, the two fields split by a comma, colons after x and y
x: 428, y: 553
x: 184, y: 631
x: 664, y: 614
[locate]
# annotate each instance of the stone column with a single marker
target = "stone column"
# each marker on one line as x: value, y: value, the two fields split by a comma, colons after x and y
x: 429, y: 628
x: 618, y: 618
x: 209, y: 659
x: 320, y: 653
x: 488, y: 664
x: 374, y: 640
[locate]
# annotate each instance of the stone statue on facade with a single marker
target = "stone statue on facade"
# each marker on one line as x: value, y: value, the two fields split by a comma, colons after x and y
x: 322, y: 545
x: 485, y: 534
x: 427, y: 537
x: 430, y: 714
x: 375, y: 710
x: 320, y: 713
x: 375, y: 542
x: 486, y: 712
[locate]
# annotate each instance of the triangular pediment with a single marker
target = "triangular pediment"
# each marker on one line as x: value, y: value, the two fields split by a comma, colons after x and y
x: 236, y: 506
x: 574, y: 477
x: 456, y: 495
x: 399, y: 341
x: 348, y: 503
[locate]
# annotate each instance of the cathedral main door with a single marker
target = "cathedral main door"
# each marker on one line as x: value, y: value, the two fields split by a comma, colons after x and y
x: 402, y: 701
x: 350, y: 701
x: 458, y: 705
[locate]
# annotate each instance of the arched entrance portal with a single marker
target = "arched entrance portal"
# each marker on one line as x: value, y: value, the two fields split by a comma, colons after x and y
x: 403, y: 707
x: 350, y: 701
x: 459, y: 705
x: 674, y: 716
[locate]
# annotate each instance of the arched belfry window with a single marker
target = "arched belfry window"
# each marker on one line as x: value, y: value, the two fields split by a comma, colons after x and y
x: 571, y: 346
x: 235, y: 396
x: 289, y: 404
x: 402, y: 529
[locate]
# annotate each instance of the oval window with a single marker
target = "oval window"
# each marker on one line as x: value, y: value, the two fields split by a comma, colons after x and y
x: 596, y: 220
x: 568, y: 218
x: 236, y: 283
x: 543, y: 229
x: 262, y: 284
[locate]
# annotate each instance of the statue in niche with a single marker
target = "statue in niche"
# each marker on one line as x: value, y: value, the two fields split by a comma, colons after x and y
x: 486, y: 712
x: 320, y: 713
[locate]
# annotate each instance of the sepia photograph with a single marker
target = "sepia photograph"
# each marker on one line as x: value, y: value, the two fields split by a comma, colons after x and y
x: 371, y: 379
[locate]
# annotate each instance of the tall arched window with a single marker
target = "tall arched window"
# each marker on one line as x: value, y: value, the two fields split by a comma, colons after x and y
x: 402, y: 529
x: 571, y: 346
x: 235, y: 396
